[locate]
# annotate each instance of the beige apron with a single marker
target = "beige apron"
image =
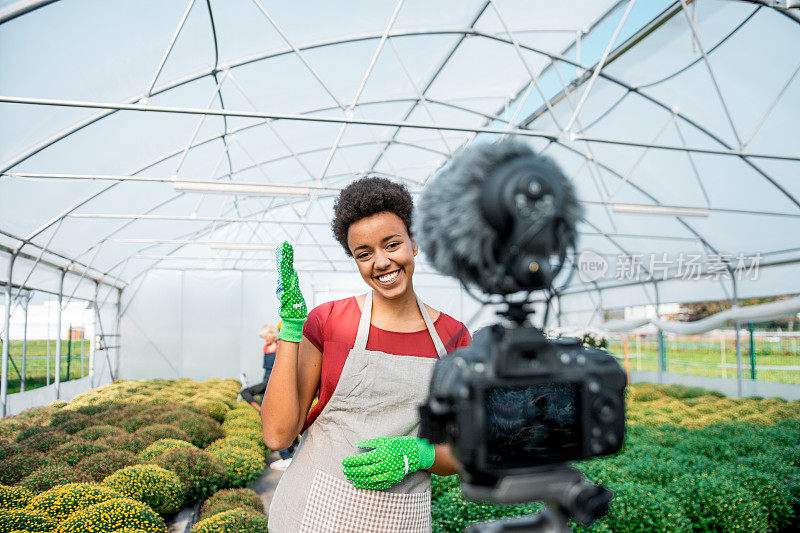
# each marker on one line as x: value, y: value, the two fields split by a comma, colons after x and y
x: 377, y: 395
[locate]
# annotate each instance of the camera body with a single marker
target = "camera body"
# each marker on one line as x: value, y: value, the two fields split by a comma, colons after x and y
x: 515, y: 401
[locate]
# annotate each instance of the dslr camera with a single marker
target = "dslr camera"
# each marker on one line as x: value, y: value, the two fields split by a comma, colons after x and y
x: 517, y: 407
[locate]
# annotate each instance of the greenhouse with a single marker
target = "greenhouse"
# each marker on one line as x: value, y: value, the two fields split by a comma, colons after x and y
x: 155, y: 156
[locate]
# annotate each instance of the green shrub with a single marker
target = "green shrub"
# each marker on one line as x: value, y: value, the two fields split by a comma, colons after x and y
x: 234, y: 521
x: 200, y: 473
x: 155, y: 432
x: 161, y: 489
x: 25, y: 520
x: 451, y: 513
x: 114, y: 515
x: 202, y: 430
x: 228, y: 499
x: 61, y: 501
x: 11, y: 426
x: 215, y: 409
x: 241, y: 422
x: 243, y: 466
x: 162, y: 446
x: 238, y: 442
x: 98, y: 432
x: 72, y: 452
x: 771, y: 489
x: 124, y: 442
x: 442, y: 484
x: 51, y: 475
x: 14, y: 497
x: 71, y: 421
x: 103, y: 464
x: 43, y: 441
x: 640, y: 507
x: 19, y: 466
x: 7, y: 449
x: 715, y: 503
x: 682, y: 392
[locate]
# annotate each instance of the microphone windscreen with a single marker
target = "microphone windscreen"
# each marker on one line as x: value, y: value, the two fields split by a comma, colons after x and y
x: 450, y: 226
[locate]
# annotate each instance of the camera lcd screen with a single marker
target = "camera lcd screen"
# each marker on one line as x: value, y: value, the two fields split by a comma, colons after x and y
x: 532, y: 424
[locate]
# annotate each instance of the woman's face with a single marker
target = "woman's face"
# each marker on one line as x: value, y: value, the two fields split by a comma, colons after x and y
x: 384, y: 253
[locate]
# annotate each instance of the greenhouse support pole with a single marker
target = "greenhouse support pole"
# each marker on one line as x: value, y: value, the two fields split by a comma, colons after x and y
x: 57, y: 381
x: 752, y: 352
x: 739, y: 369
x: 662, y: 357
x: 93, y: 338
x: 7, y: 339
x: 118, y: 336
x: 26, y: 300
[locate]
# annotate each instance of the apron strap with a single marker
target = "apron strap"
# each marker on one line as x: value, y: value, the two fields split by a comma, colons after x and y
x: 366, y: 315
x: 363, y: 324
x: 437, y: 341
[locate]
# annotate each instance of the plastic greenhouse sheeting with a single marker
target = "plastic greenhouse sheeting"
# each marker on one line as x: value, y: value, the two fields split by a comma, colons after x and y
x: 676, y: 121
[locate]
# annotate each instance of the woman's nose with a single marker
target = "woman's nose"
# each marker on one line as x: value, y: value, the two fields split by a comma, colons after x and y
x: 381, y: 260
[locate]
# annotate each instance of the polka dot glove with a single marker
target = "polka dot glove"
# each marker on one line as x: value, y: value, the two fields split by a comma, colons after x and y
x: 293, y: 310
x: 391, y: 459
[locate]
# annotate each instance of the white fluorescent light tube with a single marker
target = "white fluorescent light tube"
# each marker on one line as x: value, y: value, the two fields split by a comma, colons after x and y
x: 241, y: 246
x: 661, y: 210
x: 239, y: 188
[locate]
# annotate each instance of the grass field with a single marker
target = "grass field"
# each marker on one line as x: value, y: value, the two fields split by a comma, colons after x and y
x: 706, y: 359
x: 36, y: 367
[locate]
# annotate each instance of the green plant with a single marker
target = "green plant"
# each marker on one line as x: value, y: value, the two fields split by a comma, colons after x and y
x: 103, y: 464
x: 238, y: 442
x: 202, y: 429
x: 25, y: 520
x: 234, y: 521
x: 98, y: 432
x: 44, y: 440
x: 124, y: 442
x: 7, y: 449
x: 200, y: 473
x: 451, y: 513
x: 161, y: 489
x: 162, y: 446
x: 228, y: 499
x: 640, y: 507
x: 14, y: 497
x: 155, y: 432
x: 51, y: 475
x: 11, y: 426
x: 71, y: 421
x: 20, y: 465
x: 113, y: 515
x: 715, y: 503
x: 243, y: 466
x: 73, y: 451
x: 61, y: 501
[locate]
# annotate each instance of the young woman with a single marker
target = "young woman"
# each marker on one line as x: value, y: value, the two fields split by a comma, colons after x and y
x: 359, y: 466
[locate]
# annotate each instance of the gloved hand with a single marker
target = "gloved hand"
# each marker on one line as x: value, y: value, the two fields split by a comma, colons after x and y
x: 391, y: 459
x: 293, y: 310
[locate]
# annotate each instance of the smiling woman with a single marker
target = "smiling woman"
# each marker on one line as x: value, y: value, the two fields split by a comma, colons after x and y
x: 370, y: 357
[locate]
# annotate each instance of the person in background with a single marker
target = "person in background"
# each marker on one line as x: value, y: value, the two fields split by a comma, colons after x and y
x: 269, y: 334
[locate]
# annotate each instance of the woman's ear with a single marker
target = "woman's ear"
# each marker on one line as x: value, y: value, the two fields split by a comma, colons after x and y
x: 414, y: 248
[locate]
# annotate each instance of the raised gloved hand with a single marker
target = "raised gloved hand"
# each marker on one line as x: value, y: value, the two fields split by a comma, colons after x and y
x: 293, y: 310
x: 391, y: 459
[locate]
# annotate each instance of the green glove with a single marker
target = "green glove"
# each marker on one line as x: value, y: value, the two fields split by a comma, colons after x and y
x: 293, y: 310
x: 391, y: 459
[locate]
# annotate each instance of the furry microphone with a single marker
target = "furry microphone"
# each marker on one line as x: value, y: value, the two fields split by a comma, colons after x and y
x: 496, y: 216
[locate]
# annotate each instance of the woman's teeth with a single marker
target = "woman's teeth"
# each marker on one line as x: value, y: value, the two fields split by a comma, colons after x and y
x: 388, y: 278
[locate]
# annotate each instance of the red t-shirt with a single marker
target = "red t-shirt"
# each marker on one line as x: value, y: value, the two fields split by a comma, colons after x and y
x: 332, y: 328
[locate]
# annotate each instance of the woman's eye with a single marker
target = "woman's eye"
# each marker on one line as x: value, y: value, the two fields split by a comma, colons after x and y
x: 393, y: 245
x: 363, y: 256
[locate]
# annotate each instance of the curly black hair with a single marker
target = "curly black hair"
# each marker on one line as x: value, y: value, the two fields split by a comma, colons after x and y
x: 366, y: 197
